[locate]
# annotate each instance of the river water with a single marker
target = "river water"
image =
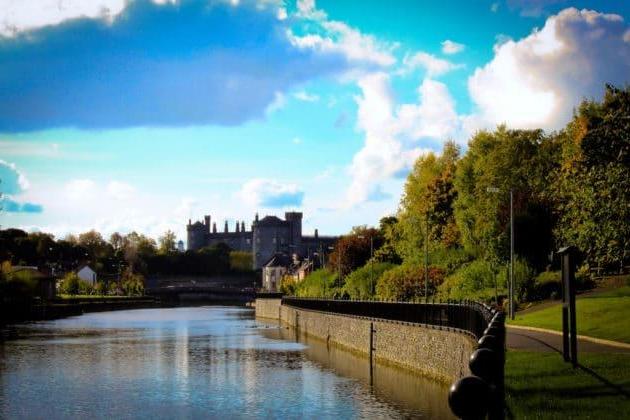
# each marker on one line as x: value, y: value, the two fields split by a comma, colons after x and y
x: 199, y: 362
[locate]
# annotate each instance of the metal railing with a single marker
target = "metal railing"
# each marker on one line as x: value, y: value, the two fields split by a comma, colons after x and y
x: 468, y: 316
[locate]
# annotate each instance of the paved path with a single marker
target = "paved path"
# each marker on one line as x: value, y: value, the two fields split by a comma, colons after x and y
x: 526, y: 339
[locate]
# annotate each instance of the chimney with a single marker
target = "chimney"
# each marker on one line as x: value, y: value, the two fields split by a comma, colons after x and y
x: 237, y: 227
x: 225, y: 228
x: 242, y: 226
x: 206, y: 220
x: 214, y: 227
x: 189, y: 222
x: 316, y: 234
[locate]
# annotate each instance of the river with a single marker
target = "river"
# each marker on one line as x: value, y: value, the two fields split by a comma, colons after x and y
x: 195, y: 362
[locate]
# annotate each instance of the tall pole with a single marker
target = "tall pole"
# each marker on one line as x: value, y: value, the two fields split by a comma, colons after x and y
x: 511, y: 254
x: 426, y: 257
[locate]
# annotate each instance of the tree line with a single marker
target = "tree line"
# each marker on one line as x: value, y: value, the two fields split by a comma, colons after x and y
x: 122, y: 262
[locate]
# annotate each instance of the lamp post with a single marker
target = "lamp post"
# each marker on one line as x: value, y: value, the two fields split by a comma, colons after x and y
x: 426, y: 258
x: 511, y: 282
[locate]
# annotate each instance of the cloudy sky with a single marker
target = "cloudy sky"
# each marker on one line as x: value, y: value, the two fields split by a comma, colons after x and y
x: 138, y: 115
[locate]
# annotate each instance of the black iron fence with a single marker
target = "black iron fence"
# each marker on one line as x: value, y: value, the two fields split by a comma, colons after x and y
x: 469, y: 316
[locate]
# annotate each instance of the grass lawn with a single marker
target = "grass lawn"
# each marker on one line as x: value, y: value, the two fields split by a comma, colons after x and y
x: 542, y: 386
x: 94, y: 297
x: 602, y: 315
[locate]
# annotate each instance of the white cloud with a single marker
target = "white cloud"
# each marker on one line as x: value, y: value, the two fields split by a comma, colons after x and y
x: 305, y: 96
x: 296, y: 140
x: 433, y: 65
x: 392, y: 133
x: 120, y: 190
x: 538, y: 80
x: 81, y: 189
x: 12, y: 180
x: 452, y: 47
x: 18, y: 15
x: 279, y: 101
x: 494, y: 7
x: 337, y: 37
x: 268, y: 193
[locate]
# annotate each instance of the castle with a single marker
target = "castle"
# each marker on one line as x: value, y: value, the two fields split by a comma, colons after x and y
x: 266, y: 238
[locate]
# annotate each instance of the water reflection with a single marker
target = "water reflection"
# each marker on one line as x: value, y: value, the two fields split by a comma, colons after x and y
x: 192, y: 363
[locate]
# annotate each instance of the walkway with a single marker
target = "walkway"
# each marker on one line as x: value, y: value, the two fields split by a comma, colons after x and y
x: 524, y: 338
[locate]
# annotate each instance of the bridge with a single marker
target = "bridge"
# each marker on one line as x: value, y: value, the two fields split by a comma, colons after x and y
x: 202, y: 292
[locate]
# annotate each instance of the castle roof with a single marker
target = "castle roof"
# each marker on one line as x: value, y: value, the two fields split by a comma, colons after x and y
x: 271, y: 221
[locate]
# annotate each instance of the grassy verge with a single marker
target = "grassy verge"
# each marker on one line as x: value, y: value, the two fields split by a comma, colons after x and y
x: 542, y: 386
x: 95, y: 298
x: 602, y: 315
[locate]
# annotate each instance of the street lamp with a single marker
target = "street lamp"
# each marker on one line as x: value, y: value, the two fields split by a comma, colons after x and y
x: 511, y: 282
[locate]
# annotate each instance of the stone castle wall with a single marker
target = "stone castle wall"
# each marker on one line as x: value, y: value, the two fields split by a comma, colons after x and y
x: 431, y: 351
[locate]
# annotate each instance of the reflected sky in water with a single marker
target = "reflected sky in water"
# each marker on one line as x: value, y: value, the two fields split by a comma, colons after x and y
x: 194, y: 363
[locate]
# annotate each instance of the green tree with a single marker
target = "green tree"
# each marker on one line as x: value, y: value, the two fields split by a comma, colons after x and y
x: 361, y: 283
x: 592, y: 185
x: 167, y: 243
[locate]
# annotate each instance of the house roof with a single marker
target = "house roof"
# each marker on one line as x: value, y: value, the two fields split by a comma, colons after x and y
x: 279, y: 260
x: 82, y: 266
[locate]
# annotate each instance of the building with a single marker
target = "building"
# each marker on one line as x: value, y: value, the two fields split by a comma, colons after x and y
x: 86, y: 274
x: 180, y: 246
x: 274, y: 270
x: 266, y: 237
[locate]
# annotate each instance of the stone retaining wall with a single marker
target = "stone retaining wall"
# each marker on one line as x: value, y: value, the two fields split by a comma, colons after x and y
x: 439, y: 353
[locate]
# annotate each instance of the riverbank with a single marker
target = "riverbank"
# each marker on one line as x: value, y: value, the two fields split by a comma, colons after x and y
x: 22, y: 311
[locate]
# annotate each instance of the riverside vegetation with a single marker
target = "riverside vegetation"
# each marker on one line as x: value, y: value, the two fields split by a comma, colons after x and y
x: 569, y: 187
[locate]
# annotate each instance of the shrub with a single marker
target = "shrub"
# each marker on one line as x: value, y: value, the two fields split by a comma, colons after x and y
x: 133, y: 284
x: 450, y: 259
x: 406, y: 282
x: 100, y: 288
x: 288, y: 285
x: 475, y: 280
x: 241, y: 261
x: 523, y: 279
x: 70, y: 284
x: 320, y: 283
x: 85, y: 288
x: 361, y: 283
x: 547, y: 285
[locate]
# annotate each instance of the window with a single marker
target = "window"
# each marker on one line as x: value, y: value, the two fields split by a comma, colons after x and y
x: 274, y: 240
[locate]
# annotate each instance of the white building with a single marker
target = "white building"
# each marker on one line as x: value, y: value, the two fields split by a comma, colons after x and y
x: 86, y: 274
x: 273, y: 271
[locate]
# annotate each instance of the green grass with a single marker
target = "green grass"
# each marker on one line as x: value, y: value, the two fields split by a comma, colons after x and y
x: 602, y: 315
x: 542, y: 386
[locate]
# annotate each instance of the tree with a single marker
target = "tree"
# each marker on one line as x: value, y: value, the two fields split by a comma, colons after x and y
x: 167, y: 243
x: 592, y: 188
x: 427, y: 201
x: 517, y: 160
x: 353, y: 250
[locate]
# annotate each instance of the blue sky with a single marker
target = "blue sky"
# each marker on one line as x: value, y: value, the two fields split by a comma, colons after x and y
x: 139, y: 115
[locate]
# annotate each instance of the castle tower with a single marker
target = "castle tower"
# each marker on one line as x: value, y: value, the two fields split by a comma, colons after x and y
x: 295, y: 220
x: 206, y: 220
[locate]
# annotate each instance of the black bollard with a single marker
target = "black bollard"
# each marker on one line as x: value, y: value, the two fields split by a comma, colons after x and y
x: 470, y: 398
x: 490, y: 342
x: 486, y: 364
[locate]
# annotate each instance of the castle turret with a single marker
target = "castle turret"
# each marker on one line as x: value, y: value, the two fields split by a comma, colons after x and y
x: 206, y: 220
x: 225, y: 228
x: 237, y: 227
x: 242, y: 226
x: 295, y: 220
x: 316, y: 234
x: 214, y: 227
